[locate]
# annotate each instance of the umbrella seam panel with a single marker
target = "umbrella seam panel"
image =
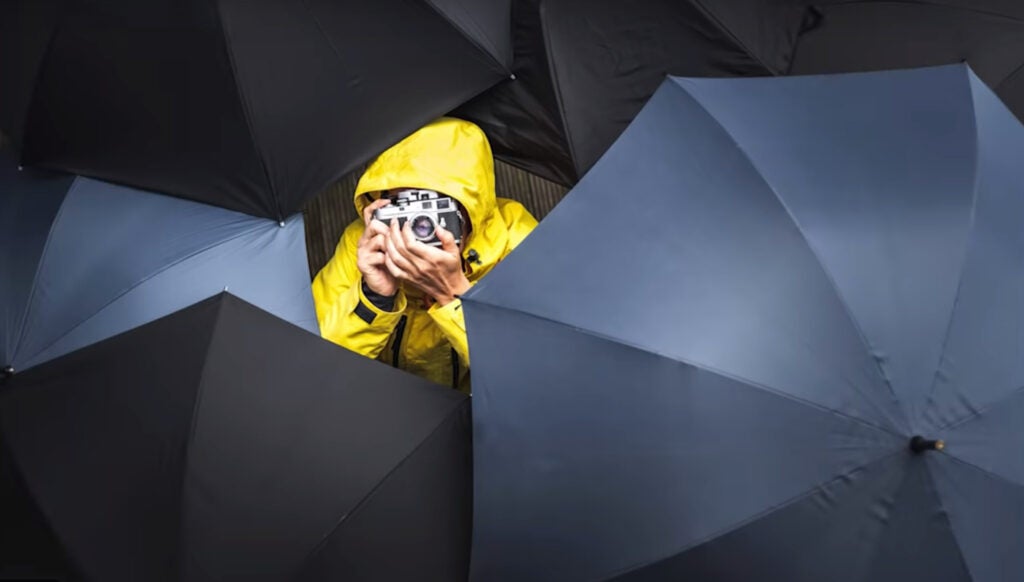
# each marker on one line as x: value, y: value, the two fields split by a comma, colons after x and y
x: 686, y: 362
x: 765, y: 513
x: 257, y: 227
x: 969, y: 239
x: 901, y: 413
x: 247, y: 111
x: 320, y: 545
x: 29, y: 305
x: 494, y: 63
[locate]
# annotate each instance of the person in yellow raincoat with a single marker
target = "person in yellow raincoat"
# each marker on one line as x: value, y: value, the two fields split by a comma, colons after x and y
x: 388, y: 296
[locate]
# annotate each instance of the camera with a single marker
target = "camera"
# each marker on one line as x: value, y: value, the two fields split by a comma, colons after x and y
x: 425, y: 210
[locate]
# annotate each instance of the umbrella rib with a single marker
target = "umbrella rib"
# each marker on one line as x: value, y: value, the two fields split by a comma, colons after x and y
x: 495, y: 64
x: 35, y: 278
x: 166, y: 267
x: 933, y: 4
x: 691, y: 363
x: 988, y: 472
x: 821, y: 264
x: 722, y: 27
x: 192, y: 424
x: 977, y: 413
x: 58, y: 26
x: 1012, y: 74
x: 963, y: 261
x: 247, y: 111
x: 948, y: 520
x: 555, y: 84
x: 366, y: 498
x: 731, y: 528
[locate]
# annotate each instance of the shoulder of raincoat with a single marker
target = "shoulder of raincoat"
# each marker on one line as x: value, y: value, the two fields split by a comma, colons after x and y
x: 453, y: 157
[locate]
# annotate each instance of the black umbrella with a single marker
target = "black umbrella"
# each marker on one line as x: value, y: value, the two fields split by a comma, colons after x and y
x: 253, y: 106
x: 584, y: 68
x: 776, y: 334
x: 221, y: 443
x: 879, y: 34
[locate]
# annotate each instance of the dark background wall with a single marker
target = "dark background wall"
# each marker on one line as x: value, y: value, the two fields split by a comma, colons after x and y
x: 328, y: 214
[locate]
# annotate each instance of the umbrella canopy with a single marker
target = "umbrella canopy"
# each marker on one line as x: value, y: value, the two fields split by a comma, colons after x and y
x: 253, y: 106
x: 83, y: 260
x: 584, y: 68
x: 878, y: 34
x: 721, y: 379
x: 222, y: 443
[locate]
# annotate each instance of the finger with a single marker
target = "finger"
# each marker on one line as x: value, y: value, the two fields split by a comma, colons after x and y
x: 377, y: 227
x: 411, y: 247
x: 397, y: 257
x: 372, y: 207
x: 447, y: 241
x: 397, y: 237
x: 373, y: 259
x: 377, y: 243
x: 394, y: 269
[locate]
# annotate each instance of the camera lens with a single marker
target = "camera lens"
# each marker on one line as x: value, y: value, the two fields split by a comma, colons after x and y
x: 422, y: 227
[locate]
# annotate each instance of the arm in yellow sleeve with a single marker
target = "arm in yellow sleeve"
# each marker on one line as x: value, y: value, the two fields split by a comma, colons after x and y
x: 449, y: 318
x: 346, y: 316
x: 453, y: 325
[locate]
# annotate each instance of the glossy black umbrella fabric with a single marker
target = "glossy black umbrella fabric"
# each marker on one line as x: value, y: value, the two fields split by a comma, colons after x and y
x: 584, y: 68
x: 710, y: 360
x: 253, y: 106
x: 222, y: 443
x: 879, y: 34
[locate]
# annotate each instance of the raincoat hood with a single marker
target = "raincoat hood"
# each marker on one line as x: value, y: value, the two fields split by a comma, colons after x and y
x: 453, y: 157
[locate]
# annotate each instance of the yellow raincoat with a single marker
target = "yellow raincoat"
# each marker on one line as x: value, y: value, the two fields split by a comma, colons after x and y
x: 453, y: 157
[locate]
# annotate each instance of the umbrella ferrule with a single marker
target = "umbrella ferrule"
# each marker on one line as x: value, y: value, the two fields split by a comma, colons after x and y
x: 919, y: 444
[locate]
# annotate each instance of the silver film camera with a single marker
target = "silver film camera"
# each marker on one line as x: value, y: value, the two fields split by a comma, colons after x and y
x: 425, y: 209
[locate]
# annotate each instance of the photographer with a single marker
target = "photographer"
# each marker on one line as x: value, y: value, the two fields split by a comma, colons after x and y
x: 392, y: 293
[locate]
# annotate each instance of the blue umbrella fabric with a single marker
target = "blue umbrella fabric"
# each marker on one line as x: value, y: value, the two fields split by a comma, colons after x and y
x: 84, y: 260
x: 775, y: 334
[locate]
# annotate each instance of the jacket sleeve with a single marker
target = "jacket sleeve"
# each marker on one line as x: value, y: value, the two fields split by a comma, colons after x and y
x: 450, y: 318
x: 453, y: 325
x: 346, y: 316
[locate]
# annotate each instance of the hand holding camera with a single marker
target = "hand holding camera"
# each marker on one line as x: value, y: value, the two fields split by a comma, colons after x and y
x: 414, y: 237
x: 436, y: 271
x: 371, y: 250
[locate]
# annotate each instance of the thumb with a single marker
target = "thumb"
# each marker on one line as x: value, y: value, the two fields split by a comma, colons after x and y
x: 447, y: 241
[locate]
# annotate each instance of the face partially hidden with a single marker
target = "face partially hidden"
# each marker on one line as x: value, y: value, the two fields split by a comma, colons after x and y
x: 395, y: 192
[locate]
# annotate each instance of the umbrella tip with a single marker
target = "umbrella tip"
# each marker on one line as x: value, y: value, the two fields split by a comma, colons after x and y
x: 8, y: 371
x: 281, y: 224
x: 919, y: 444
x: 20, y: 168
x: 512, y: 76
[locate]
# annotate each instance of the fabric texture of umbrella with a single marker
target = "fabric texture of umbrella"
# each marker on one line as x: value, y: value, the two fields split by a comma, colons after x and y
x: 83, y: 260
x: 253, y: 106
x: 584, y: 68
x: 222, y: 443
x: 868, y: 35
x: 722, y: 379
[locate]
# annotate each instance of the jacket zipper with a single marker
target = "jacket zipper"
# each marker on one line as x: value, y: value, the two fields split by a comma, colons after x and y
x: 396, y: 346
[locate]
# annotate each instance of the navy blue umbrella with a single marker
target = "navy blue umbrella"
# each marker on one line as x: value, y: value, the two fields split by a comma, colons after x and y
x: 777, y: 333
x: 83, y: 260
